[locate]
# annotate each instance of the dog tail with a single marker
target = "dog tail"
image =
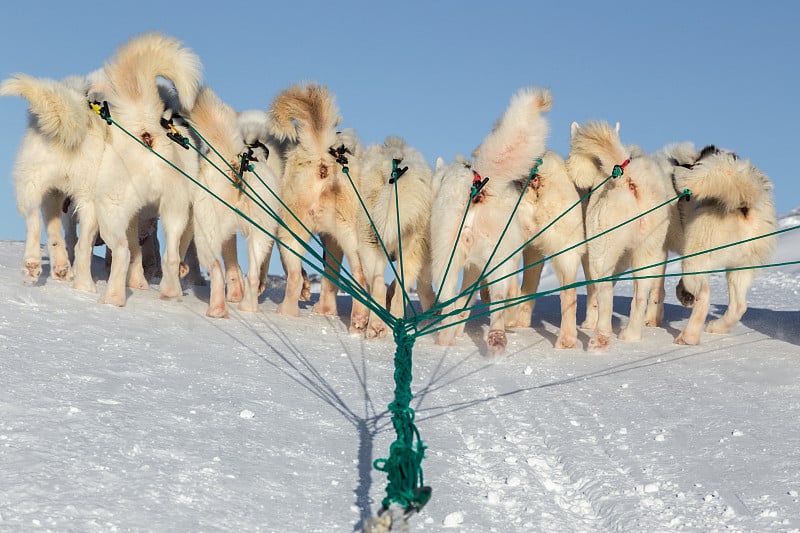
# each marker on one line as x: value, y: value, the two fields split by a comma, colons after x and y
x: 723, y: 178
x: 305, y: 113
x: 135, y: 68
x: 517, y: 139
x: 218, y: 123
x: 595, y: 148
x: 60, y: 111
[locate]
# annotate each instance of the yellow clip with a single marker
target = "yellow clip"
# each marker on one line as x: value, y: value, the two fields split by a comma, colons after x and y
x: 95, y: 107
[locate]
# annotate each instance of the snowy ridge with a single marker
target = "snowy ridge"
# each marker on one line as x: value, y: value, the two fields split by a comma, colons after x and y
x: 153, y: 417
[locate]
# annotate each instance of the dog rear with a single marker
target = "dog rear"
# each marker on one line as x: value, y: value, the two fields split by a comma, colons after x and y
x: 488, y: 188
x: 731, y: 201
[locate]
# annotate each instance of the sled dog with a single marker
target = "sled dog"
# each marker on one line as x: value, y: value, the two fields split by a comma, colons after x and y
x: 731, y: 200
x: 483, y: 195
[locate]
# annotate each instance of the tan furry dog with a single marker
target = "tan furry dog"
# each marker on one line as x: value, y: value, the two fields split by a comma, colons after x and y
x: 57, y: 158
x: 505, y: 156
x: 595, y: 151
x: 731, y: 200
x: 319, y: 196
x: 386, y: 168
x: 551, y: 215
x: 214, y: 222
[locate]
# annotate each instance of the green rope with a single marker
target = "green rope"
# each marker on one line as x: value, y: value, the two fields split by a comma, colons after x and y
x: 403, y: 468
x: 342, y: 160
x: 348, y: 280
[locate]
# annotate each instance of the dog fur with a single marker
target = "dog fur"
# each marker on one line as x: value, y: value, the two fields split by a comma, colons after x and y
x: 319, y: 196
x: 551, y: 194
x: 505, y: 156
x: 595, y: 150
x: 413, y: 202
x: 56, y: 159
x: 130, y: 177
x: 731, y: 200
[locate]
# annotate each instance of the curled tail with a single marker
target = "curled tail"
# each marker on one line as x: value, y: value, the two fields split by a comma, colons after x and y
x: 134, y: 69
x: 61, y: 112
x: 305, y: 113
x: 518, y: 138
x: 732, y: 183
x: 595, y: 148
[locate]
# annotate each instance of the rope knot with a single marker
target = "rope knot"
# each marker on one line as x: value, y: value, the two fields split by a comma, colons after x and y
x: 173, y: 133
x: 102, y: 110
x: 619, y: 170
x: 478, y: 184
x: 397, y: 172
x: 338, y: 154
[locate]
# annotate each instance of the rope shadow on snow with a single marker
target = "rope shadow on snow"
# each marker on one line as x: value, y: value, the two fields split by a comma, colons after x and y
x: 678, y: 353
x: 301, y: 370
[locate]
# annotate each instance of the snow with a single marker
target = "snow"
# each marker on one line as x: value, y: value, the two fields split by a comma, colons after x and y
x: 153, y: 417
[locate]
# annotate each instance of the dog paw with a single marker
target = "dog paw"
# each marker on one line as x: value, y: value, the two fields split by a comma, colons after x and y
x: 288, y: 309
x: 32, y: 269
x: 358, y: 323
x: 600, y: 342
x: 628, y: 334
x: 138, y: 283
x: 565, y: 342
x: 376, y: 331
x: 717, y: 326
x: 497, y: 341
x: 445, y: 337
x: 217, y: 311
x: 325, y: 309
x: 62, y: 272
x: 83, y: 285
x: 113, y: 298
x: 686, y: 339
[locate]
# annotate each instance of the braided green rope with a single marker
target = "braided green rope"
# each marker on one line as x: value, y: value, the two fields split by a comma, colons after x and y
x: 403, y: 468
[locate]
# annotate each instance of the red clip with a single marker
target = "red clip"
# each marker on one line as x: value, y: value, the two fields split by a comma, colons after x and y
x: 476, y: 178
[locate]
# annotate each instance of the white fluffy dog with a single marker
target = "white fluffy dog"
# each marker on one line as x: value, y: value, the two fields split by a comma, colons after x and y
x: 58, y: 157
x: 731, y: 200
x: 595, y: 151
x: 386, y: 168
x: 130, y: 177
x: 319, y: 197
x: 552, y: 219
x: 505, y: 156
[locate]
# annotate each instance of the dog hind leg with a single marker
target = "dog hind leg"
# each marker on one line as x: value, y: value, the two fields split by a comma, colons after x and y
x: 738, y: 284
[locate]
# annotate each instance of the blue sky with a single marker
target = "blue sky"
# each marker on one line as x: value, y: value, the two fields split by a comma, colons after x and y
x: 440, y: 73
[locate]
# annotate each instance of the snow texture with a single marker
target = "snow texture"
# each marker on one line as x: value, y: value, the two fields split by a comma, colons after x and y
x: 153, y: 417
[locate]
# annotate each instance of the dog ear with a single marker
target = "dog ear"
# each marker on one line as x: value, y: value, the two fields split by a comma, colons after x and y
x: 573, y: 129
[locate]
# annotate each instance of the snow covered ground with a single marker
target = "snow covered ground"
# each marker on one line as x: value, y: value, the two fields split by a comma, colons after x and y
x: 153, y: 417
